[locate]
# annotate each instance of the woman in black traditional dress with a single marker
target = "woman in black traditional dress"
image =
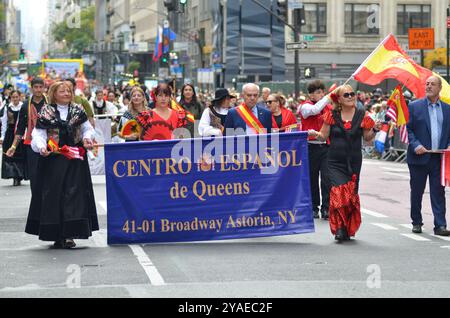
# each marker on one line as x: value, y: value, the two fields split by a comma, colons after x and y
x: 63, y: 205
x: 12, y: 167
x: 345, y: 126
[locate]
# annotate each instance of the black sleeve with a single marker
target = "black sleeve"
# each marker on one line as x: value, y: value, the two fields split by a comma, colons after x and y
x: 22, y: 123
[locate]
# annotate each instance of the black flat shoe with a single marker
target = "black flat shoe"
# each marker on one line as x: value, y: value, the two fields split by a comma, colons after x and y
x: 58, y: 244
x: 340, y: 235
x: 68, y: 244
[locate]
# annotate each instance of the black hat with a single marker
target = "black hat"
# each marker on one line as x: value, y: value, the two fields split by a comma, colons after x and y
x: 222, y: 93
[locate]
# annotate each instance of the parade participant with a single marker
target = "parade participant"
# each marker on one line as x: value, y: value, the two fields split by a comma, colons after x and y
x: 345, y: 125
x: 160, y: 123
x: 13, y: 166
x: 101, y: 106
x: 281, y: 116
x: 62, y: 206
x: 213, y: 119
x: 248, y: 118
x: 80, y: 100
x: 265, y: 93
x: 137, y: 106
x: 27, y: 122
x: 191, y: 104
x: 428, y: 131
x: 311, y: 116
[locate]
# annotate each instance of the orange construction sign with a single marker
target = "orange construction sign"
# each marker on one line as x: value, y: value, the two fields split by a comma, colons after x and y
x: 421, y: 39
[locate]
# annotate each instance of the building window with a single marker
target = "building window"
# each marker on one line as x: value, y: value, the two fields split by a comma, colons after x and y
x: 412, y: 16
x: 362, y: 18
x: 316, y: 18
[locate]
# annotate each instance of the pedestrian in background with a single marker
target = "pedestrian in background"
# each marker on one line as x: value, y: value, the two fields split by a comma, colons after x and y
x: 213, y: 119
x: 428, y: 130
x: 13, y: 166
x: 281, y: 116
x: 311, y: 114
x: 191, y: 104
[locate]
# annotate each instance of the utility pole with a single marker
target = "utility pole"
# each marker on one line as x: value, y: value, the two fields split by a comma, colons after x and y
x: 282, y: 16
x: 448, y: 44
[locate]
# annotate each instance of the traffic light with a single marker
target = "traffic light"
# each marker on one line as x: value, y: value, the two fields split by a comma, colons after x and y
x: 165, y: 59
x: 282, y: 9
x: 22, y: 54
x: 310, y: 72
x: 182, y: 6
x: 171, y: 5
x: 299, y: 17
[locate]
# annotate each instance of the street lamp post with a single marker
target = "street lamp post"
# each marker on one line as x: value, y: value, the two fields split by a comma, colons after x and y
x: 133, y: 31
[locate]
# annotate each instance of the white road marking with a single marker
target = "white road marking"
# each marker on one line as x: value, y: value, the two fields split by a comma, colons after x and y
x: 397, y: 175
x: 99, y: 238
x: 146, y: 263
x: 445, y: 238
x: 405, y: 170
x: 373, y: 213
x: 372, y: 163
x: 385, y: 226
x: 103, y: 206
x: 416, y: 237
x: 409, y: 226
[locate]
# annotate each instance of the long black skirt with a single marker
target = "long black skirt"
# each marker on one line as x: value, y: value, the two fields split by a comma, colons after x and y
x: 15, y: 167
x: 62, y: 204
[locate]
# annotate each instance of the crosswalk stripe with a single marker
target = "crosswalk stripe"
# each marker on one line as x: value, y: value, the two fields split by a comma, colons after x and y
x: 373, y: 213
x: 416, y: 237
x: 150, y: 269
x: 385, y: 226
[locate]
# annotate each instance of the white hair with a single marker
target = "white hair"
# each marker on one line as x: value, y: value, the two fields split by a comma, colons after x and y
x: 250, y: 85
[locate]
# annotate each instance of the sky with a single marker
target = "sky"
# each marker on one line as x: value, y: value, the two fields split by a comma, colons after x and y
x: 34, y: 22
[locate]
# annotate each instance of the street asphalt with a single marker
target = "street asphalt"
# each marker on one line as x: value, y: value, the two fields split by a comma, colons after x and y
x: 385, y: 260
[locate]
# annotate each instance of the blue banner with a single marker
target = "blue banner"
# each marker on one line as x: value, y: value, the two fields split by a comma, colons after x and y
x: 208, y: 189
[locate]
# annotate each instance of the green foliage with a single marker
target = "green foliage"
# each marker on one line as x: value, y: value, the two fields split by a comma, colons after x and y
x: 133, y: 66
x: 77, y: 39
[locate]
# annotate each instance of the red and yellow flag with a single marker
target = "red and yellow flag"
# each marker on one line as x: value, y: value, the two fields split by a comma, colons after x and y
x: 398, y: 110
x: 177, y: 107
x: 389, y: 60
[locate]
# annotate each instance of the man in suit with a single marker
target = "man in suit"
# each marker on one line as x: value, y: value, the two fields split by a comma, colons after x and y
x: 249, y: 118
x: 428, y: 131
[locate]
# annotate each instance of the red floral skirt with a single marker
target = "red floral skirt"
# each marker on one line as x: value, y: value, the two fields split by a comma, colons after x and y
x: 345, y: 208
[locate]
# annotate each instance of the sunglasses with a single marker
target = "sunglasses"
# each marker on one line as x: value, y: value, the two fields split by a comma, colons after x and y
x: 269, y: 102
x: 349, y: 95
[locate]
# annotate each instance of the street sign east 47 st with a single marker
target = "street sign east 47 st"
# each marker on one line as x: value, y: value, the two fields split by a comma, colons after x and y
x: 297, y: 46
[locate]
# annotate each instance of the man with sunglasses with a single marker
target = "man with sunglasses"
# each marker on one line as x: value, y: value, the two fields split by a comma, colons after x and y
x: 311, y: 113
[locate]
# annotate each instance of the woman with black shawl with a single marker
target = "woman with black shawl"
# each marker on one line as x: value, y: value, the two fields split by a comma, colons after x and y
x: 62, y: 205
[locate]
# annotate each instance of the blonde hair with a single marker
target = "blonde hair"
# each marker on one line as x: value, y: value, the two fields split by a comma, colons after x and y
x: 137, y: 89
x: 54, y: 89
x: 336, y: 105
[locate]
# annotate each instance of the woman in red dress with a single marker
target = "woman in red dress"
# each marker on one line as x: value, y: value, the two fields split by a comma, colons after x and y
x: 160, y: 123
x: 345, y: 126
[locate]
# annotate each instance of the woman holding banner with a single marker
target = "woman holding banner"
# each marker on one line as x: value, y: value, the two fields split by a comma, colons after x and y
x: 281, y: 116
x: 62, y: 205
x: 128, y: 127
x: 345, y: 126
x: 161, y: 122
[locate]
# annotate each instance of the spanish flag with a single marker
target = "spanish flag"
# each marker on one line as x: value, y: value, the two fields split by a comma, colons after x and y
x: 389, y: 60
x: 398, y: 110
x: 177, y: 107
